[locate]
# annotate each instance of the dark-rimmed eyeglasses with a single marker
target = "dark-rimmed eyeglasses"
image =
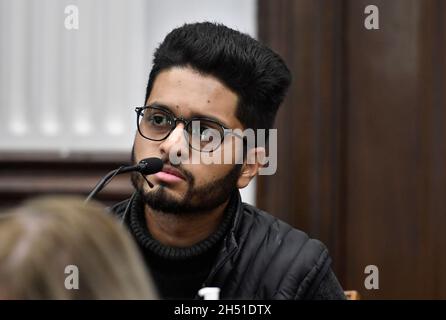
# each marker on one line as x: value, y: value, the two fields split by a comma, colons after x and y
x: 203, y: 134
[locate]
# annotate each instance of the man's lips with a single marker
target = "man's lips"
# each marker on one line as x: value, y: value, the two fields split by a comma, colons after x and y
x: 170, y: 174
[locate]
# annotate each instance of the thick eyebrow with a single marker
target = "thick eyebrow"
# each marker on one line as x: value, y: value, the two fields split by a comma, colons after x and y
x: 194, y: 114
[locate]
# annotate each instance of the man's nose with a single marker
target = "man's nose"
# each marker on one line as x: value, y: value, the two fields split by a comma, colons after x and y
x: 176, y: 143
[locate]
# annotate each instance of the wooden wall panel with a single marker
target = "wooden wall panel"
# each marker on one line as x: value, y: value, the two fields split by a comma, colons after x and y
x: 310, y: 121
x: 363, y: 168
x: 26, y: 175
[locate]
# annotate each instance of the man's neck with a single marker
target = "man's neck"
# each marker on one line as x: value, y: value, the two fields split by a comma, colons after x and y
x: 177, y: 230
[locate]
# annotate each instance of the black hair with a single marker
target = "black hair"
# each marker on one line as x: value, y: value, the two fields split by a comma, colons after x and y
x: 254, y: 72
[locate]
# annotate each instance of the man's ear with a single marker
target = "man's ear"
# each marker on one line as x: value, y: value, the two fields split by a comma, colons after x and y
x: 251, y: 166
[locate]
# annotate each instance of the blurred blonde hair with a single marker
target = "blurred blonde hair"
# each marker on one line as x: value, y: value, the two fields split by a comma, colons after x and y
x: 41, y: 238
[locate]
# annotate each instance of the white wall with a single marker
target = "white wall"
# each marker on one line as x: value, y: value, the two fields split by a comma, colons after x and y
x: 74, y: 90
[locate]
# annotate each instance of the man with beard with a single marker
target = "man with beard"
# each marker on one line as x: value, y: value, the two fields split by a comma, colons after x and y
x: 188, y: 219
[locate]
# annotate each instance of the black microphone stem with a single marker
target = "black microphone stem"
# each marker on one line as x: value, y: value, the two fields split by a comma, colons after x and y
x: 103, y: 182
x: 144, y: 167
x: 147, y: 180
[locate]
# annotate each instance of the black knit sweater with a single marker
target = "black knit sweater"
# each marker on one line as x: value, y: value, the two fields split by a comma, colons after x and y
x: 178, y: 272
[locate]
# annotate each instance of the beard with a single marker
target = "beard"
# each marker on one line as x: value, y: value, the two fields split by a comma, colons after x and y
x: 196, y: 200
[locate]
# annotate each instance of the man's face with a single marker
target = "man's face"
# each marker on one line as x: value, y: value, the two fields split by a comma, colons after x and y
x: 193, y: 187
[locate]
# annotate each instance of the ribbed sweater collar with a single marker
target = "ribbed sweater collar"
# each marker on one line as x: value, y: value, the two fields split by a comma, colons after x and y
x: 138, y: 225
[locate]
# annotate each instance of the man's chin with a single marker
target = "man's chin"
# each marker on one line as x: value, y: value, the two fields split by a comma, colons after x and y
x: 164, y: 200
x: 163, y: 193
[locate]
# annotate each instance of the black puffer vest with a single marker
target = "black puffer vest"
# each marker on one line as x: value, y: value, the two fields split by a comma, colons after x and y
x: 262, y: 257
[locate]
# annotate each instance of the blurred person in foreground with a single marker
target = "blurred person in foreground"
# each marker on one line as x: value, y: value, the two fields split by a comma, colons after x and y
x: 41, y: 238
x: 208, y: 80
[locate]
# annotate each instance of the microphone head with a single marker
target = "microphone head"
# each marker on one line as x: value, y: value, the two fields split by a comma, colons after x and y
x: 150, y: 166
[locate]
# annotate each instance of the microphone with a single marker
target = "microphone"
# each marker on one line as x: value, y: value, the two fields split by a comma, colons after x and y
x: 145, y: 167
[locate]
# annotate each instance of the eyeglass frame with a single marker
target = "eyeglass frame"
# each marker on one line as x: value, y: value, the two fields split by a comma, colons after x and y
x: 186, y: 122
